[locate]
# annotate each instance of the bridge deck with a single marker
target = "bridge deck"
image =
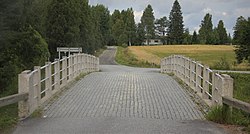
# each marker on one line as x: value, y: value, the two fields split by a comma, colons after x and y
x: 121, y: 99
x: 139, y: 93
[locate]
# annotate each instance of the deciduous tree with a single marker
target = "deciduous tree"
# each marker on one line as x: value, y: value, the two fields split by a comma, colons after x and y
x: 147, y: 22
x: 242, y: 39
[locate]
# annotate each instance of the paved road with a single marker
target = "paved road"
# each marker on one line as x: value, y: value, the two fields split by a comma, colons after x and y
x: 108, y: 56
x: 122, y: 99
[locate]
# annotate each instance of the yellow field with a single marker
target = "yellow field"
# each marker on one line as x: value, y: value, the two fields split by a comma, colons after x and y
x: 207, y: 54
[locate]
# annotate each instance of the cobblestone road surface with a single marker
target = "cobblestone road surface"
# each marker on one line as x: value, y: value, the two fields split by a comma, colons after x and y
x: 122, y: 99
x: 132, y: 93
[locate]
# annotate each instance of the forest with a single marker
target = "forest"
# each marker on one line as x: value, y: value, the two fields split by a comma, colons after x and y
x: 31, y: 30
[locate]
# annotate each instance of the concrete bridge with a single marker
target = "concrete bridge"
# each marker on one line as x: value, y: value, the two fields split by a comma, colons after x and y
x: 121, y: 99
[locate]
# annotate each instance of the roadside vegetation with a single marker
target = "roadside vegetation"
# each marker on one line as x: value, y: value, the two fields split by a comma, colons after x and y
x: 8, y: 118
x: 237, y: 117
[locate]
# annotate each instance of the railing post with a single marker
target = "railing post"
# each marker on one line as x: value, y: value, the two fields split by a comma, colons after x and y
x: 227, y: 90
x: 23, y: 87
x: 97, y: 64
x: 82, y: 63
x: 217, y: 82
x: 205, y: 84
x: 57, y: 75
x: 37, y: 81
x: 75, y: 65
x: 227, y: 87
x: 48, y: 87
x: 198, y: 80
x: 174, y: 64
x: 78, y: 64
x: 70, y: 68
x: 64, y: 71
x: 187, y: 71
x: 192, y: 74
x: 88, y: 63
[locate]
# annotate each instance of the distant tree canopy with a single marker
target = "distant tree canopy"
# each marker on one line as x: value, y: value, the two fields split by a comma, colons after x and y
x: 123, y: 27
x: 22, y: 46
x: 161, y: 26
x: 242, y: 39
x: 31, y: 30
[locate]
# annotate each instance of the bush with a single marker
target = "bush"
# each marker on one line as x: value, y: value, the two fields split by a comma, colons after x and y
x: 222, y: 64
x: 219, y: 114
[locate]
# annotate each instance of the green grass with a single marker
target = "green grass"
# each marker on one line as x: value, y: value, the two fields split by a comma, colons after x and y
x: 207, y: 54
x: 241, y: 86
x: 9, y: 114
x: 125, y: 57
x: 219, y: 114
x: 241, y: 92
x: 8, y: 118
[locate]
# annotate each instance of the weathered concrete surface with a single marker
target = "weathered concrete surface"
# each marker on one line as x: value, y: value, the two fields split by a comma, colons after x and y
x: 122, y: 99
x: 115, y: 125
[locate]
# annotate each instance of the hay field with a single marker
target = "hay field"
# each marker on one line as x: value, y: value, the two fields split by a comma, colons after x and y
x: 206, y: 54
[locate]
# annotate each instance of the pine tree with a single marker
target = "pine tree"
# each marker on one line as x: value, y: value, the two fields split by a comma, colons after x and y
x: 176, y: 26
x: 195, y: 38
x: 140, y: 34
x: 187, y: 37
x: 229, y: 39
x: 238, y: 29
x: 222, y: 33
x: 215, y: 37
x: 206, y: 30
x: 117, y: 30
x: 147, y: 21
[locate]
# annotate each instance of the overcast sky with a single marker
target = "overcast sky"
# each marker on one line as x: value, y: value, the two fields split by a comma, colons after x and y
x: 193, y: 10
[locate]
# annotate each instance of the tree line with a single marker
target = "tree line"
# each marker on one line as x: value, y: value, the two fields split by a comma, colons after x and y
x: 31, y: 30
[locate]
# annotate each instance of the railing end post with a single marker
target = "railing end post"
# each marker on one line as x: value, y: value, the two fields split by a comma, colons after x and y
x: 23, y: 87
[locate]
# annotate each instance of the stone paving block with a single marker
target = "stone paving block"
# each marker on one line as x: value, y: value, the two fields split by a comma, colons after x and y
x: 127, y: 94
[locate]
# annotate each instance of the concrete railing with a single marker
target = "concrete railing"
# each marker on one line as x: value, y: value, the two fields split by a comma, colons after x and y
x: 37, y: 86
x: 212, y: 87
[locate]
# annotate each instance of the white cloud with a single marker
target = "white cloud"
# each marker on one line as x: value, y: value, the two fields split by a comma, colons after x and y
x: 207, y: 10
x: 138, y: 15
x: 224, y: 13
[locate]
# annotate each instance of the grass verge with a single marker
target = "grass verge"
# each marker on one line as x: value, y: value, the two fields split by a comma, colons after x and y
x: 238, y: 117
x: 8, y: 118
x: 125, y: 57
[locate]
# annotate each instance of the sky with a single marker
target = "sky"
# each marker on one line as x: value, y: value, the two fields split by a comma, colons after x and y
x: 193, y: 10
